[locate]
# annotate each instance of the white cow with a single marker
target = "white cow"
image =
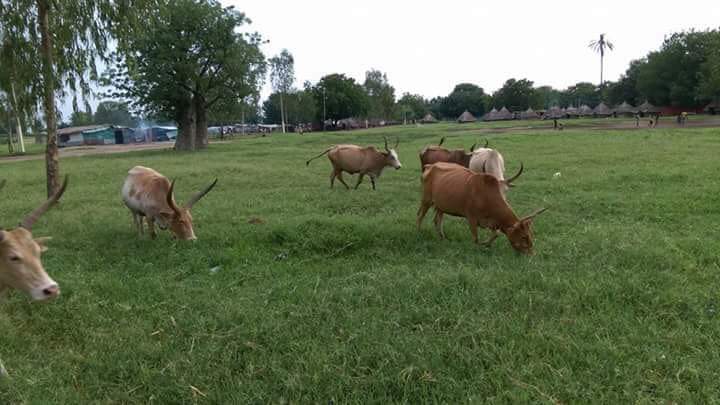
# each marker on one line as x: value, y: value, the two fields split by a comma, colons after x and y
x: 490, y: 161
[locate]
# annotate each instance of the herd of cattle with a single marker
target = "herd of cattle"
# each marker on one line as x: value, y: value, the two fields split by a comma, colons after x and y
x: 455, y: 182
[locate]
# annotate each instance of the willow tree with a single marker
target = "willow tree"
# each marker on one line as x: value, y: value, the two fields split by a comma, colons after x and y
x: 62, y: 40
x: 190, y: 60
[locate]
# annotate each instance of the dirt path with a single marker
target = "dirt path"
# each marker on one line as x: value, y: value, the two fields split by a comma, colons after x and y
x: 93, y: 150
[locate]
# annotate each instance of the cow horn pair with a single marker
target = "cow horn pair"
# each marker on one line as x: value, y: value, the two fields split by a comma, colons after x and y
x: 194, y: 199
x: 397, y: 142
x: 30, y: 220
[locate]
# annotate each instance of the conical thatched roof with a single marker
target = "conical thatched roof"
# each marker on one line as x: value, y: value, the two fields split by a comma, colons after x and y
x: 466, y: 117
x: 490, y: 115
x: 602, y: 109
x: 571, y: 111
x: 646, y: 107
x: 585, y: 110
x: 428, y: 118
x: 555, y: 113
x: 504, y: 114
x: 625, y: 108
x: 528, y: 114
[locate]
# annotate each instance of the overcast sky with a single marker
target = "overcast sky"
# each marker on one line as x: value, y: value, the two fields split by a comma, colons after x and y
x: 427, y: 47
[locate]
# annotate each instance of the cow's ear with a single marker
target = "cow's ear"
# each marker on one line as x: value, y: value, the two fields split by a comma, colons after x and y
x: 167, y: 215
x: 42, y: 242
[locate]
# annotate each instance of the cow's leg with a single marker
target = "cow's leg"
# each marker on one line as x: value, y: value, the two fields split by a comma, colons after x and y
x: 493, y: 235
x: 473, y: 228
x: 360, y: 178
x: 424, y: 207
x: 339, y: 176
x: 151, y: 227
x: 372, y: 180
x: 333, y: 174
x: 438, y: 220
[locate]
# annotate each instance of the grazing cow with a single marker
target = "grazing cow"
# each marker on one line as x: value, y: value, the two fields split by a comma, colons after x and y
x: 148, y: 194
x: 477, y: 197
x: 357, y: 159
x: 435, y: 154
x: 20, y: 264
x: 490, y: 161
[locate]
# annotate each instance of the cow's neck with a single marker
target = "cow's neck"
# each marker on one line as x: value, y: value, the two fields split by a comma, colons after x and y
x: 505, y: 218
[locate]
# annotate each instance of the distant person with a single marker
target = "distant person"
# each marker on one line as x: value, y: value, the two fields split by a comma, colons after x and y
x: 657, y: 119
x: 637, y: 120
x: 555, y: 123
x: 650, y: 123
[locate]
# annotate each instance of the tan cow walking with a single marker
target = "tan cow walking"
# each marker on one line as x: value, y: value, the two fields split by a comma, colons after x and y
x: 149, y: 195
x: 357, y: 159
x: 477, y: 197
x: 20, y: 264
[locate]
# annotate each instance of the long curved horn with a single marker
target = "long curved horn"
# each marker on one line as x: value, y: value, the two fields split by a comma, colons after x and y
x: 29, y: 220
x: 195, y: 198
x: 397, y: 142
x: 386, y: 147
x: 534, y: 214
x: 486, y: 143
x: 170, y: 200
x: 472, y: 148
x: 513, y: 178
x: 441, y: 141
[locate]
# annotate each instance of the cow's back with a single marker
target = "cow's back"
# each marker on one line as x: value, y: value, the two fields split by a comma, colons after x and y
x: 145, y: 190
x: 433, y: 154
x: 351, y: 158
x: 491, y: 160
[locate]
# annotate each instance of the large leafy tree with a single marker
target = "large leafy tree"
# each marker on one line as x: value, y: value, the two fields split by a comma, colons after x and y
x: 465, y: 96
x: 412, y: 106
x: 579, y: 94
x: 625, y: 89
x: 516, y: 95
x: 338, y: 96
x: 59, y: 42
x: 188, y: 61
x: 299, y: 108
x: 380, y: 93
x: 282, y: 77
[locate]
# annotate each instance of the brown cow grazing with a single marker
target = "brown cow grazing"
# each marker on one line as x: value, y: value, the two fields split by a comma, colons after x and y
x: 357, y: 159
x: 490, y: 161
x: 477, y: 197
x: 435, y: 154
x: 148, y: 194
x: 20, y: 264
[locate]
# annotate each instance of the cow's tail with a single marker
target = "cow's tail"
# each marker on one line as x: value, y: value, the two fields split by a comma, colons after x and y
x: 320, y: 155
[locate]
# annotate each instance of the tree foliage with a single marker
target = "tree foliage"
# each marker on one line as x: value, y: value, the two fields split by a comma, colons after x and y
x: 381, y: 95
x: 342, y: 97
x: 282, y: 77
x: 517, y: 95
x: 412, y: 107
x: 114, y: 113
x: 300, y: 108
x: 187, y: 62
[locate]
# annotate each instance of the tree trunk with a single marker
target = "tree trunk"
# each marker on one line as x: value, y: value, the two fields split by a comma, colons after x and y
x: 201, y: 127
x: 186, y: 129
x: 601, y: 69
x: 282, y: 112
x: 52, y: 161
x: 16, y: 110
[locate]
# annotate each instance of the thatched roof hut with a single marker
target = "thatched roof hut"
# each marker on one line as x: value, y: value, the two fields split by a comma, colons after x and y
x: 528, y: 114
x: 504, y: 114
x: 466, y: 117
x: 555, y: 113
x: 602, y: 110
x: 490, y: 115
x: 625, y: 109
x: 428, y: 119
x: 585, y: 110
x: 646, y: 107
x: 572, y: 111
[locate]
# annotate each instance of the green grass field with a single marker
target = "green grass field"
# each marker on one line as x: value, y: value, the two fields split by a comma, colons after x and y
x: 337, y: 297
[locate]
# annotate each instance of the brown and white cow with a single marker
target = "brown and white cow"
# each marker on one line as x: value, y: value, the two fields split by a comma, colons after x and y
x: 436, y: 153
x: 477, y: 197
x: 148, y: 194
x: 20, y: 264
x: 357, y: 159
x: 490, y: 161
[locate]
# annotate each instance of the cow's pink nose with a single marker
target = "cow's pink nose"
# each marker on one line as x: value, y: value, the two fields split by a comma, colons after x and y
x: 52, y: 291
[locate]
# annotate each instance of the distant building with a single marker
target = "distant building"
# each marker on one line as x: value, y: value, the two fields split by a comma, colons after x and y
x: 95, y: 135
